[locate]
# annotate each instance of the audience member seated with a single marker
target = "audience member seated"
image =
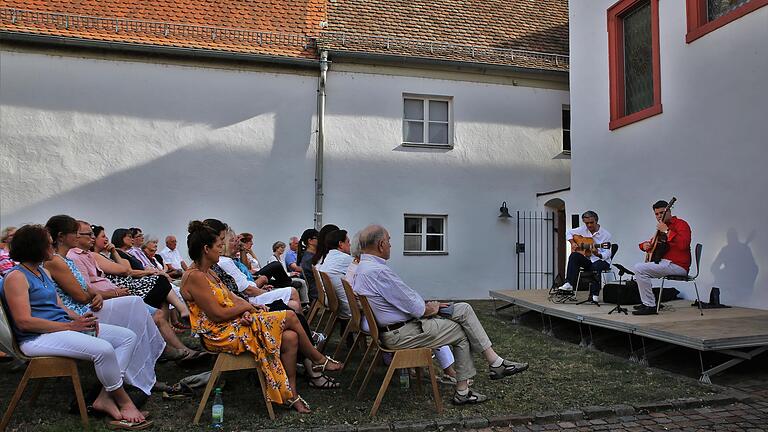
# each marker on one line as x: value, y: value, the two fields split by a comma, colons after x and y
x: 154, y: 289
x: 307, y: 249
x: 407, y: 321
x: 75, y: 293
x: 6, y: 263
x: 44, y: 327
x: 135, y: 249
x: 278, y: 255
x: 291, y: 263
x: 172, y: 258
x: 335, y: 264
x: 322, y: 248
x: 274, y: 272
x: 227, y: 323
x: 149, y: 249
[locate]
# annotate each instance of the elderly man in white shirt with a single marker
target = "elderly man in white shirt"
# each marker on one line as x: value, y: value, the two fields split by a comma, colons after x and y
x: 598, y: 260
x: 172, y: 257
x: 406, y: 321
x: 336, y: 264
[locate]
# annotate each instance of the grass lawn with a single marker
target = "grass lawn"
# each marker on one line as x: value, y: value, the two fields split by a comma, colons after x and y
x: 561, y: 376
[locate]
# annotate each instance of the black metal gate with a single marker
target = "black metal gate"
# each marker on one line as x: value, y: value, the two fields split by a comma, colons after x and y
x: 536, y: 247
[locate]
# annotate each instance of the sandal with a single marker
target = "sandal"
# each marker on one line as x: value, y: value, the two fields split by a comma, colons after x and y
x: 327, y: 383
x: 321, y: 367
x: 178, y: 391
x: 126, y: 425
x: 507, y: 368
x: 290, y: 403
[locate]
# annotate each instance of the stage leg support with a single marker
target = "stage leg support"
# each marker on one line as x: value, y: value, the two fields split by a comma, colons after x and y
x: 739, y: 356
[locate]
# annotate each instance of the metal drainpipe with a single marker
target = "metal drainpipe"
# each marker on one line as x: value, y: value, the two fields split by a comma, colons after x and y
x: 320, y: 139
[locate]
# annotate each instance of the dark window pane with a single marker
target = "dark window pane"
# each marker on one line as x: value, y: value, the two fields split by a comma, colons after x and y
x: 412, y: 243
x: 638, y: 59
x: 567, y: 119
x: 718, y: 8
x: 438, y: 133
x: 438, y: 111
x: 413, y: 109
x: 566, y: 140
x: 434, y: 243
x: 412, y: 225
x: 435, y: 225
x: 413, y: 132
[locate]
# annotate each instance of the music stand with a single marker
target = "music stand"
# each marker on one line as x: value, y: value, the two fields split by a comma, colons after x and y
x: 622, y: 271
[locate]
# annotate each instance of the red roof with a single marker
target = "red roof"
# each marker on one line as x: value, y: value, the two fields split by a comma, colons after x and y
x: 525, y: 33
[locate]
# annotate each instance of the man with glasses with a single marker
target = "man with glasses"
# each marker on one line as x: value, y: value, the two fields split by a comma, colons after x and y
x: 675, y: 262
x: 405, y: 320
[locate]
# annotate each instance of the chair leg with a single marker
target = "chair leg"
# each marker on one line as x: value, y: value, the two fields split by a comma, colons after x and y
x: 435, y: 389
x: 352, y: 350
x: 383, y: 388
x: 262, y: 382
x: 368, y: 349
x: 38, y: 387
x: 320, y: 318
x: 329, y: 326
x: 79, y: 395
x: 698, y: 299
x: 342, y: 341
x: 419, y: 390
x: 207, y: 393
x: 661, y: 291
x: 16, y: 397
x: 379, y: 355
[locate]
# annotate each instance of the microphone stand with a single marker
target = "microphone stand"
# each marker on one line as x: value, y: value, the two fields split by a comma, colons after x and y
x: 622, y: 271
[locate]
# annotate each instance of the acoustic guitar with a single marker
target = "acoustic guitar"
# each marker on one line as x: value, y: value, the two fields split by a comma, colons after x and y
x: 587, y: 245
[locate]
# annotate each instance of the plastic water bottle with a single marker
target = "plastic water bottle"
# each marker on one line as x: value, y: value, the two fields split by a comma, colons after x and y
x: 217, y: 412
x: 405, y: 379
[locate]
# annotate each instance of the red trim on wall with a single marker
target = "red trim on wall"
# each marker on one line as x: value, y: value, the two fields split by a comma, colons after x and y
x: 616, y: 64
x: 698, y: 25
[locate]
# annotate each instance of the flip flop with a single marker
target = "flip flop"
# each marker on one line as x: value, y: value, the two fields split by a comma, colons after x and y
x: 126, y: 425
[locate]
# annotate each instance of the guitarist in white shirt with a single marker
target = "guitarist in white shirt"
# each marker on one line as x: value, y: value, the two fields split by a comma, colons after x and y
x: 587, y: 253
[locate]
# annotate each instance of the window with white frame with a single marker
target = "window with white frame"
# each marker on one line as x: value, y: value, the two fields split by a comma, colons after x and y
x: 427, y: 121
x: 424, y: 234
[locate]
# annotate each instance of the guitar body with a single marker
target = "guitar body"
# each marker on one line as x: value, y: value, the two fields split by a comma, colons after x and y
x: 585, y: 245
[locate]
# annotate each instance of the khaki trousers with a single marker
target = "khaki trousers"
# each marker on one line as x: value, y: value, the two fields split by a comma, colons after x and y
x: 462, y: 331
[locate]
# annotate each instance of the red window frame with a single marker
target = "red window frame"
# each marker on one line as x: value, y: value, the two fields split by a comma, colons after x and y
x: 616, y: 64
x: 699, y: 25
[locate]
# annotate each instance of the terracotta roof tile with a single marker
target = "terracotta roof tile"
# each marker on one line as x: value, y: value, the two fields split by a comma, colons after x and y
x: 524, y: 33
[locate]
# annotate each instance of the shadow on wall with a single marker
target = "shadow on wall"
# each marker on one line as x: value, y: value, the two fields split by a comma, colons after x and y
x: 735, y: 268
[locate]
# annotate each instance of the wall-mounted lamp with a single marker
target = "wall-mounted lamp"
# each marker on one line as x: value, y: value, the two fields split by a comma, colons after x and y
x: 504, y: 211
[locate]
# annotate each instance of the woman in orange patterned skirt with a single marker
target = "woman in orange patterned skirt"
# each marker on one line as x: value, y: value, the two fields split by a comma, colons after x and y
x: 227, y: 323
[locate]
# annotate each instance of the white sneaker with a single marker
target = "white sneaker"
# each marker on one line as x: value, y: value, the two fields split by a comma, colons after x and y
x: 595, y: 299
x: 566, y: 287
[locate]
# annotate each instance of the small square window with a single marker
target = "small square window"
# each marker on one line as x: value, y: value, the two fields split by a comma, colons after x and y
x: 705, y: 16
x: 427, y: 121
x: 424, y: 235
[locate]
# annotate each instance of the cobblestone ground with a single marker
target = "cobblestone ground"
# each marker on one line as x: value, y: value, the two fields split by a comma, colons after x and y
x: 751, y: 416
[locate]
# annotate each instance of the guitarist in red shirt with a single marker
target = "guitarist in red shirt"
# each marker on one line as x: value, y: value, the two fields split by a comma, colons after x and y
x: 676, y: 260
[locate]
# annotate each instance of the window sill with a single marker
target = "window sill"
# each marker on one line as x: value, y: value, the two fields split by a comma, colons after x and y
x: 635, y: 117
x: 423, y: 145
x: 565, y: 154
x: 414, y: 253
x: 723, y: 20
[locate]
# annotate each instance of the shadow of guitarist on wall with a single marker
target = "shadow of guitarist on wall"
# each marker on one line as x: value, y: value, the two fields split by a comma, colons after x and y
x: 734, y: 269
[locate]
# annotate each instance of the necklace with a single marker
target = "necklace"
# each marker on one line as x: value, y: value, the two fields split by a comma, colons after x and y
x: 42, y: 279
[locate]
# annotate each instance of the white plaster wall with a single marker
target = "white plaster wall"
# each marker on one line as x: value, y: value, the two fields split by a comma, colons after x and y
x: 708, y: 147
x: 504, y: 141
x: 124, y: 144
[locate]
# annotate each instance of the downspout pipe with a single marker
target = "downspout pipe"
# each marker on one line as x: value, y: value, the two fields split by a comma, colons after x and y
x: 320, y: 139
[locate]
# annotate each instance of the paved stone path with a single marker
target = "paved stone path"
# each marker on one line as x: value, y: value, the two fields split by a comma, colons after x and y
x: 749, y: 416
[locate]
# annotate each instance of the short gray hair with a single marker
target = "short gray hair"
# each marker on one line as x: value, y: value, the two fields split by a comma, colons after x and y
x: 149, y: 242
x: 354, y: 248
x: 370, y: 236
x: 590, y: 214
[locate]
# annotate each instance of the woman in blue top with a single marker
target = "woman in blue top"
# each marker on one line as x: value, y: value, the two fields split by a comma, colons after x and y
x: 44, y: 327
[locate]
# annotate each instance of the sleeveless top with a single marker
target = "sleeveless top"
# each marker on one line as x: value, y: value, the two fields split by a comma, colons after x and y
x: 69, y: 302
x: 42, y: 302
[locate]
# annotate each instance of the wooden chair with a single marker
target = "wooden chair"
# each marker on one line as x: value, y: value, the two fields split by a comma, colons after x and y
x: 333, y: 306
x: 319, y: 308
x: 353, y: 326
x: 230, y: 362
x: 38, y: 367
x: 401, y: 359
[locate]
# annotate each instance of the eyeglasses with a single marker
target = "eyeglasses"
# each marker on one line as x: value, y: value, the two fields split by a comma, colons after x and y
x: 87, y: 234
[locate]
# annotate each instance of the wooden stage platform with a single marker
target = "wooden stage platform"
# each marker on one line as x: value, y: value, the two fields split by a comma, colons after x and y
x: 740, y: 333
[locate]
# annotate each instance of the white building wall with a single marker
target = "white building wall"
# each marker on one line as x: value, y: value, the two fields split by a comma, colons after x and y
x: 126, y: 143
x: 504, y: 141
x: 708, y: 147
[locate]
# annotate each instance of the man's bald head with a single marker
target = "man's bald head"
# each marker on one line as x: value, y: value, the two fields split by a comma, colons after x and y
x: 374, y: 240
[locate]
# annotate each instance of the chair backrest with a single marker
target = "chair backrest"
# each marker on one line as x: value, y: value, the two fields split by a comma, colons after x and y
x: 319, y: 286
x: 697, y: 255
x: 7, y: 340
x: 330, y: 292
x: 373, y: 327
x: 354, y: 306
